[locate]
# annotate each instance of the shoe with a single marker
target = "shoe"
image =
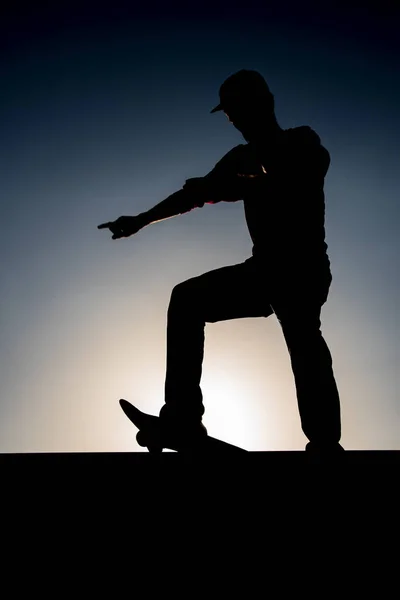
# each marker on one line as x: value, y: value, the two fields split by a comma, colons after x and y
x: 181, y: 428
x: 316, y: 449
x: 159, y: 433
x: 181, y: 435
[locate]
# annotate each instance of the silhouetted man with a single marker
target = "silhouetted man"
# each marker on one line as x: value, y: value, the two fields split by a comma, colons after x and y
x: 279, y: 174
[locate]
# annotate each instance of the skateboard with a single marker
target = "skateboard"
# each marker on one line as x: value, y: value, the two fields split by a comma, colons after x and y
x: 147, y: 436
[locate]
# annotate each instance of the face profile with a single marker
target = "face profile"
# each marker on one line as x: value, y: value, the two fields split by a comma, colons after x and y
x: 248, y: 103
x: 249, y: 115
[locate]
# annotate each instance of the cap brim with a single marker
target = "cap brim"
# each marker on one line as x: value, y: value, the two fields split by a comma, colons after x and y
x: 217, y: 108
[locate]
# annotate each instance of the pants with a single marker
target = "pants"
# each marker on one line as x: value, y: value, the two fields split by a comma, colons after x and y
x: 248, y: 290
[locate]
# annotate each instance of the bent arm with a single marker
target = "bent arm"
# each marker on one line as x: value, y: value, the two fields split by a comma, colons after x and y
x: 195, y: 193
x: 222, y: 183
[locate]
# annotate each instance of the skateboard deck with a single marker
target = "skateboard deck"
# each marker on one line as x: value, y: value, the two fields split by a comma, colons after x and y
x: 147, y: 426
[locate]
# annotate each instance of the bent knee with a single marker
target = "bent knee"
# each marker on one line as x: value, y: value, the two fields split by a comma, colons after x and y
x: 185, y: 293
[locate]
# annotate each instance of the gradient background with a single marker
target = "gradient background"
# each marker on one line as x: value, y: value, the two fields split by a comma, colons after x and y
x: 105, y: 112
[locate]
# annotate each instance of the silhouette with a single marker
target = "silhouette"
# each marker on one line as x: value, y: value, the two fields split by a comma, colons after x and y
x: 150, y: 436
x: 279, y: 175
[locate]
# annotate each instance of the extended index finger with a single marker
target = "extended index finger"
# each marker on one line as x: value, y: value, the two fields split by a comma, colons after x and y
x: 105, y: 225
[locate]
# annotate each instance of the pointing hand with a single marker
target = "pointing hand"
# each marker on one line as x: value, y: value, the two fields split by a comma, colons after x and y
x: 123, y: 227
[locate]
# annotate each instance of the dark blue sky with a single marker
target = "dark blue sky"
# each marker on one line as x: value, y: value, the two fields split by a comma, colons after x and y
x: 105, y: 111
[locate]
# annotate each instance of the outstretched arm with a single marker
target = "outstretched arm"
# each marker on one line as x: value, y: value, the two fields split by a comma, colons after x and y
x: 177, y: 203
x: 222, y: 183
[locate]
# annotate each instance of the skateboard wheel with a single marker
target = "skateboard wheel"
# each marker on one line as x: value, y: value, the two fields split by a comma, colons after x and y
x: 141, y: 439
x: 144, y: 441
x: 155, y: 449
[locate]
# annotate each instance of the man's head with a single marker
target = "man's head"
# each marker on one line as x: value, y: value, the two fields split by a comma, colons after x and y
x: 247, y: 101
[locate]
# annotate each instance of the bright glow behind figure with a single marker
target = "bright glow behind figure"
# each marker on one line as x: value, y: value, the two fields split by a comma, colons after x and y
x: 110, y: 121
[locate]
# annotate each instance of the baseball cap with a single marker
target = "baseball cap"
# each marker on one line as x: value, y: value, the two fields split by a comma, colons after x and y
x: 242, y: 84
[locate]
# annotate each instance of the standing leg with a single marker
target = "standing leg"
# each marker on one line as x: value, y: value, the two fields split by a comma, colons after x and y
x: 227, y: 293
x: 317, y: 393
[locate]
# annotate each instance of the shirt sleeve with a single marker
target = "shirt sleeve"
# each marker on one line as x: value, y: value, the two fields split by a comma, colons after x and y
x: 222, y: 183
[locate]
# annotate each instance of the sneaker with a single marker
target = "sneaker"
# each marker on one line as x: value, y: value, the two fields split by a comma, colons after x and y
x: 180, y: 435
x: 324, y: 449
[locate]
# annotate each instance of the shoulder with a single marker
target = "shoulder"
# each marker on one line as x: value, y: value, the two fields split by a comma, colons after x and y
x: 304, y: 143
x: 303, y: 137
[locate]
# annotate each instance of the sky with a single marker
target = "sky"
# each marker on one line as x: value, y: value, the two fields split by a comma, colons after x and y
x: 105, y: 111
